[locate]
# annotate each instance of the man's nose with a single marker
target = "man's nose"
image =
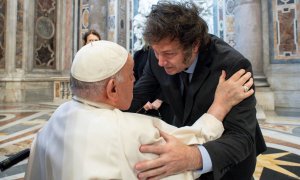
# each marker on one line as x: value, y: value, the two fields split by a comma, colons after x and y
x: 161, y: 61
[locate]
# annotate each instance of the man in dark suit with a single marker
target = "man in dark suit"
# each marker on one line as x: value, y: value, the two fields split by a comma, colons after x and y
x: 181, y: 46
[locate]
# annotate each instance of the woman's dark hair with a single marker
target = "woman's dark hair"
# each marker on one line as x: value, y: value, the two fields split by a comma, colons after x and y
x: 91, y: 31
x: 176, y: 20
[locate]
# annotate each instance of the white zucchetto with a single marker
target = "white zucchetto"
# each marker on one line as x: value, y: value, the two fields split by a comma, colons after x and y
x: 98, y: 60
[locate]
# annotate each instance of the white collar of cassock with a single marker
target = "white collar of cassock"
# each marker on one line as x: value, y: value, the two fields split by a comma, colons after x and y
x: 93, y: 104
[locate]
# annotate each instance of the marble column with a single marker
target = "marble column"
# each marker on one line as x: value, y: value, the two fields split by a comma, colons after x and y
x: 248, y: 31
x: 11, y: 26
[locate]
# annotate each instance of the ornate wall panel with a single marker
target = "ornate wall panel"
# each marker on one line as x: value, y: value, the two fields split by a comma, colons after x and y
x: 122, y: 23
x: 84, y: 19
x: 130, y: 27
x: 19, y: 35
x: 2, y: 33
x: 284, y: 38
x: 98, y: 17
x: 111, y: 20
x: 229, y: 24
x: 218, y: 18
x: 44, y: 37
x: 224, y: 20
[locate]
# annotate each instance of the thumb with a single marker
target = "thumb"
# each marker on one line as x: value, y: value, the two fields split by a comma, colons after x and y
x: 222, y: 77
x: 148, y: 106
x: 166, y: 136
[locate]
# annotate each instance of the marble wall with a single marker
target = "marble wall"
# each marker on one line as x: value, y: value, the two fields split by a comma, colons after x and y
x: 38, y: 40
x: 98, y: 13
x: 281, y: 52
x: 122, y: 23
x: 84, y: 24
x: 19, y: 34
x: 111, y: 18
x: 2, y: 32
x: 45, y: 34
x: 285, y: 31
x: 265, y: 32
x: 93, y: 15
x: 238, y: 22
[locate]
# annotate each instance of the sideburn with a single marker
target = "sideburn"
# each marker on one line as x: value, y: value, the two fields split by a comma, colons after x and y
x: 188, y: 55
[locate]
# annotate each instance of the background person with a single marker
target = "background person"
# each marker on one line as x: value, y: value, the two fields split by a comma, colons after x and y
x: 90, y: 36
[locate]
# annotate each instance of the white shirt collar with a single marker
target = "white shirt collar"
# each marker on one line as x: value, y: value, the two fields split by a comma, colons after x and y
x: 192, y: 67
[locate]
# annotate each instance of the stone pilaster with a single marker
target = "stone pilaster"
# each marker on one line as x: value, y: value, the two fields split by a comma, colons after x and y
x: 248, y: 31
x: 11, y: 26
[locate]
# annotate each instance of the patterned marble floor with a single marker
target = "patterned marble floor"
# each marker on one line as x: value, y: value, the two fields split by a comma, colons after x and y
x: 19, y: 123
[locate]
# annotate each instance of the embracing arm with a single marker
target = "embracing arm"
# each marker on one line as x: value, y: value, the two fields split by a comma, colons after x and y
x: 238, y: 140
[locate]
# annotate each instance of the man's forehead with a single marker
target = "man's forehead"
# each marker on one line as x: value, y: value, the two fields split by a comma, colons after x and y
x: 167, y: 45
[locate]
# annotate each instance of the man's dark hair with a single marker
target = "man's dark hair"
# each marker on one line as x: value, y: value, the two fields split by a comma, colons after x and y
x: 91, y: 31
x: 176, y: 20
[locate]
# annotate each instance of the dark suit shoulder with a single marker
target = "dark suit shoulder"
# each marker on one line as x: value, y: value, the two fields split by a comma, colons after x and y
x: 222, y: 56
x: 223, y: 48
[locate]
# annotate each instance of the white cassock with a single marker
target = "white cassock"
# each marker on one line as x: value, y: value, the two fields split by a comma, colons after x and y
x: 95, y: 141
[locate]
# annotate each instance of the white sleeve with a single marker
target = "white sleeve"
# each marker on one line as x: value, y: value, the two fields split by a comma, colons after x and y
x: 206, y: 128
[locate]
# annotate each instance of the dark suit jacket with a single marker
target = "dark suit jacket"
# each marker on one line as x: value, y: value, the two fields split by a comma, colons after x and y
x: 140, y: 58
x: 234, y: 154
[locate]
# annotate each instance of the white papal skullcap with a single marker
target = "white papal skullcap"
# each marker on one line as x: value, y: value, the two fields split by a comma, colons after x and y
x: 98, y: 60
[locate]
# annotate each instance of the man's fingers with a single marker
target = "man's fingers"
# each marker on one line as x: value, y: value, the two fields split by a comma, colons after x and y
x: 148, y: 164
x: 249, y: 93
x: 245, y: 78
x: 222, y: 77
x: 151, y: 148
x: 148, y: 106
x: 236, y: 76
x: 156, y: 148
x: 249, y: 84
x: 153, y: 173
x: 156, y: 104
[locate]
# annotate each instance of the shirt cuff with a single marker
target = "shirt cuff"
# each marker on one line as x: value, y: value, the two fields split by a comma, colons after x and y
x: 206, y: 161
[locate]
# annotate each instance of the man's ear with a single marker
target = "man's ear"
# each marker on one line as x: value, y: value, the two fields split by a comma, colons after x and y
x: 111, y: 90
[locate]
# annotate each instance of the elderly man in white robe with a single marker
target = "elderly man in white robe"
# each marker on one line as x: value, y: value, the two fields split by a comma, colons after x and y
x: 90, y: 137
